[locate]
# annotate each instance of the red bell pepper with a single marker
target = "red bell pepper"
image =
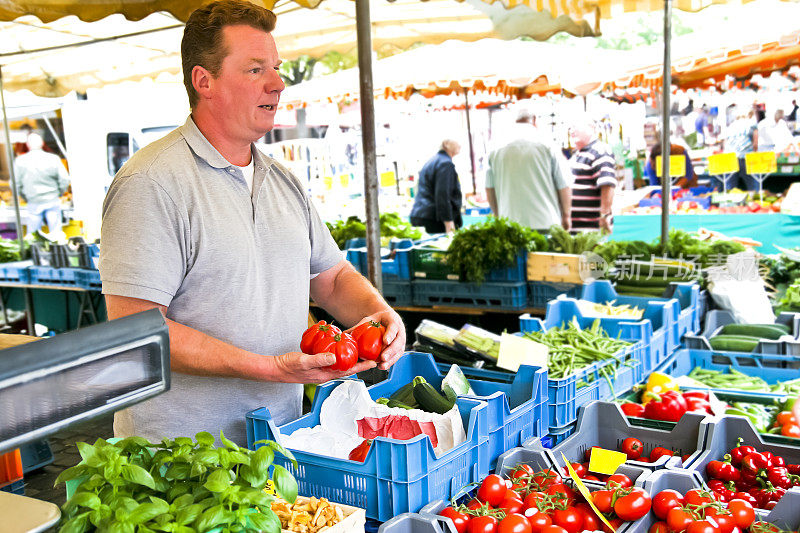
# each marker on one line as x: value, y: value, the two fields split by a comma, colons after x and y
x: 369, y: 339
x: 633, y: 409
x: 316, y: 332
x: 780, y: 477
x: 669, y: 406
x: 769, y: 494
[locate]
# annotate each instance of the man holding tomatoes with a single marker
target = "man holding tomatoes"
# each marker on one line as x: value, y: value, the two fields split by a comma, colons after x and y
x: 223, y: 240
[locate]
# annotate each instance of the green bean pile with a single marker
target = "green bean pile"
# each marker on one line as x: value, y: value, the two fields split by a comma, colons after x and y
x: 732, y: 380
x: 572, y: 348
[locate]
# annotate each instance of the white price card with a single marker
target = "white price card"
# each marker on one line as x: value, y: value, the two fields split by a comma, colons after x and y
x: 516, y: 351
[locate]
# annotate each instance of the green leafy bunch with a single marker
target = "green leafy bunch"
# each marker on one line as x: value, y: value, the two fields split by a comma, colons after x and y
x: 392, y: 225
x: 494, y: 243
x: 177, y: 486
x: 611, y: 250
x: 344, y: 230
x: 9, y: 251
x: 791, y: 300
x: 563, y: 242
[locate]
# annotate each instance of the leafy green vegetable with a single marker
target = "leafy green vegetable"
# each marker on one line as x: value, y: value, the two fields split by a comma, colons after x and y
x: 563, y: 242
x: 354, y: 228
x: 180, y: 485
x: 791, y: 301
x: 494, y: 243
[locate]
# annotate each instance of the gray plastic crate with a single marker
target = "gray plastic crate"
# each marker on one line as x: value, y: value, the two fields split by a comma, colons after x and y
x: 786, y: 345
x: 720, y: 436
x: 417, y: 523
x: 604, y: 424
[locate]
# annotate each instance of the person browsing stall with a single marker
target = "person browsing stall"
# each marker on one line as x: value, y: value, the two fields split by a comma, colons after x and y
x: 223, y: 240
x: 437, y: 204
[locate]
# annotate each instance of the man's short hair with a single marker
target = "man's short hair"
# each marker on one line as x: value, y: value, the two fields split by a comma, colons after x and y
x: 449, y: 144
x: 202, y: 42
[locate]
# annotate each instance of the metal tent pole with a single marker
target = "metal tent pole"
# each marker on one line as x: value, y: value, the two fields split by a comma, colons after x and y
x: 469, y: 140
x: 371, y: 190
x: 12, y: 175
x: 666, y: 147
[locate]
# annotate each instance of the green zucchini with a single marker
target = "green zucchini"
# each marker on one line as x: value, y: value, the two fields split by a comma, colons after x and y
x: 640, y: 290
x: 429, y: 399
x: 733, y: 343
x: 762, y: 331
x: 393, y: 403
x: 405, y: 395
x: 657, y: 280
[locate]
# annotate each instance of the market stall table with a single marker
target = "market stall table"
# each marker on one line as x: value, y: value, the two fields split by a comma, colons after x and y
x: 89, y: 302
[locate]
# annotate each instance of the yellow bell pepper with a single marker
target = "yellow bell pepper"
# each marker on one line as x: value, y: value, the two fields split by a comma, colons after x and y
x: 658, y: 383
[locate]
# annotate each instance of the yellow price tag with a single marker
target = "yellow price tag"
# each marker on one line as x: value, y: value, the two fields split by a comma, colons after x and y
x: 722, y: 164
x: 388, y: 179
x: 677, y: 166
x: 344, y: 179
x: 328, y: 181
x: 761, y: 162
x: 602, y: 461
x: 585, y: 492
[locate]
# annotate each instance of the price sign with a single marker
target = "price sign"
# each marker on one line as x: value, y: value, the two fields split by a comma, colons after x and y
x: 723, y: 164
x: 328, y: 181
x: 761, y: 162
x: 677, y: 166
x: 344, y: 179
x: 388, y: 179
x: 585, y: 492
x: 602, y: 461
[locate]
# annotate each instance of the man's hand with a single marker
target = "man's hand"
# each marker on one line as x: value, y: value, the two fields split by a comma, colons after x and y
x: 606, y: 225
x: 297, y: 367
x: 394, y: 338
x: 449, y: 226
x: 566, y: 222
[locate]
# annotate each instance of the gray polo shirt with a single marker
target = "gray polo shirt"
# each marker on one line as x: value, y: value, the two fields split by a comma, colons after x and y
x: 181, y: 228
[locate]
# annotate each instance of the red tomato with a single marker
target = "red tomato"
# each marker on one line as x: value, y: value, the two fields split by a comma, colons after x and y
x: 537, y: 520
x: 552, y: 529
x: 343, y: 347
x: 678, y: 520
x: 698, y: 497
x: 785, y: 417
x: 580, y: 469
x: 567, y: 493
x: 659, y: 527
x: 791, y: 430
x: 666, y: 500
x: 514, y: 523
x: 725, y: 523
x: 591, y: 477
x: 316, y: 332
x: 602, y: 500
x: 632, y: 506
x: 590, y: 520
x: 701, y: 526
x: 659, y: 452
x: 633, y: 409
x: 474, y: 504
x: 570, y: 519
x: 511, y: 503
x: 619, y: 480
x: 547, y: 478
x: 482, y: 524
x: 369, y: 339
x: 460, y: 520
x: 742, y: 513
x: 632, y: 448
x: 492, y: 490
x: 615, y: 523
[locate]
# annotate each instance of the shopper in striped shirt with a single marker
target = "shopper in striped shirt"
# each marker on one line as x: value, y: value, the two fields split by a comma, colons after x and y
x: 594, y: 172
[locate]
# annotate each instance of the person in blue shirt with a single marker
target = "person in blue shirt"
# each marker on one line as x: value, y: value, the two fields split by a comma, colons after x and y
x: 437, y: 204
x: 689, y: 179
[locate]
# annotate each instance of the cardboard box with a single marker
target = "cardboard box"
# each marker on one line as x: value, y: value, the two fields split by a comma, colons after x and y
x: 354, y: 521
x: 546, y: 266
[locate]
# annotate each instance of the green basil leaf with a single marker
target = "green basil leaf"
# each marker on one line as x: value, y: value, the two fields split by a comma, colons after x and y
x: 184, y: 529
x: 283, y: 451
x: 204, y: 438
x: 224, y: 457
x: 162, y: 456
x: 259, y: 497
x: 189, y: 514
x: 184, y: 441
x: 218, y: 481
x: 285, y: 484
x: 227, y: 442
x: 257, y: 480
x: 144, y: 529
x: 121, y: 527
x: 85, y: 499
x: 262, y: 459
x: 210, y: 518
x: 86, y: 450
x: 197, y: 470
x: 207, y: 457
x: 137, y: 474
x: 178, y: 490
x: 72, y: 473
x: 265, y: 522
x: 240, y: 458
x: 178, y: 471
x: 182, y: 501
x: 148, y: 511
x: 76, y: 524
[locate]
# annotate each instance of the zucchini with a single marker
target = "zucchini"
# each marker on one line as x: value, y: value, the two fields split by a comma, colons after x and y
x: 405, y: 395
x: 733, y: 343
x: 655, y: 281
x: 641, y: 290
x: 393, y: 403
x: 429, y: 398
x: 762, y: 331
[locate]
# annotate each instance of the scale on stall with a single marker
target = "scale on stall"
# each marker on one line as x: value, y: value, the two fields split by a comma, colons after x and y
x: 49, y: 385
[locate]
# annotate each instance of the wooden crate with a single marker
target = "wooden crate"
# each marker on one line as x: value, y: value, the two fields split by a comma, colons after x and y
x: 546, y: 266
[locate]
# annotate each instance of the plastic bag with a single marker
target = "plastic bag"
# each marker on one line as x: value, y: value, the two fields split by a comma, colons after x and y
x: 738, y: 288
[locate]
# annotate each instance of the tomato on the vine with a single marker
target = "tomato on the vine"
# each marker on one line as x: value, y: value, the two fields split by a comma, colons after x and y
x: 511, y: 503
x: 537, y: 519
x: 632, y: 447
x: 678, y: 519
x: 492, y: 490
x: 602, y: 500
x: 482, y: 524
x: 632, y: 504
x: 725, y: 523
x: 659, y: 527
x: 664, y: 501
x: 460, y: 520
x: 570, y: 519
x: 591, y: 522
x: 742, y: 512
x: 514, y: 523
x: 619, y: 481
x: 552, y: 529
x: 697, y: 497
x: 701, y: 526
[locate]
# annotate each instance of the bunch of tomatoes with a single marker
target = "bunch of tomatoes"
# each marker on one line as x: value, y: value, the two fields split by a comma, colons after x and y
x: 634, y: 449
x: 541, y: 502
x: 759, y: 478
x: 364, y: 342
x: 788, y: 424
x: 699, y: 511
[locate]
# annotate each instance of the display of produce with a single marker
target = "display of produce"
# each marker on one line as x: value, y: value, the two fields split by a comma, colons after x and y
x: 572, y: 348
x: 698, y: 511
x: 703, y: 200
x: 392, y: 225
x: 561, y: 241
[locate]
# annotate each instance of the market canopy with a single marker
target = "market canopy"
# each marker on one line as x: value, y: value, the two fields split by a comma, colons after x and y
x: 490, y: 68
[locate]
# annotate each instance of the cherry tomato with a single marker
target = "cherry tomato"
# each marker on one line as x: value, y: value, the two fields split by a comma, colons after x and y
x: 590, y: 520
x: 537, y: 520
x: 678, y: 520
x: 514, y: 523
x: 482, y: 524
x: 632, y: 506
x: 547, y: 478
x: 791, y: 430
x: 632, y: 448
x: 659, y: 527
x: 619, y: 480
x: 460, y: 520
x: 511, y: 503
x: 492, y: 490
x: 785, y: 417
x: 532, y: 499
x: 570, y: 519
x: 725, y: 523
x: 697, y: 497
x: 701, y: 526
x: 567, y: 493
x: 602, y: 500
x: 742, y: 512
x: 666, y: 500
x: 552, y: 529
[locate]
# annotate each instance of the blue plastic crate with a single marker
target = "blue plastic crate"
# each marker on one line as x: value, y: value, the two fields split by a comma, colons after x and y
x: 517, y: 404
x: 397, y: 293
x: 437, y: 269
x: 92, y: 256
x: 477, y: 211
x: 770, y: 368
x: 88, y: 279
x: 716, y: 319
x: 15, y: 272
x: 42, y: 275
x: 590, y: 383
x: 514, y: 273
x: 397, y: 476
x: 35, y: 455
x: 456, y: 293
x: 541, y: 292
x: 14, y: 487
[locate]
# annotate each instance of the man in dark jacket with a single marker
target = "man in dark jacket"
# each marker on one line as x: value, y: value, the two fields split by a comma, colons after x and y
x: 437, y: 205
